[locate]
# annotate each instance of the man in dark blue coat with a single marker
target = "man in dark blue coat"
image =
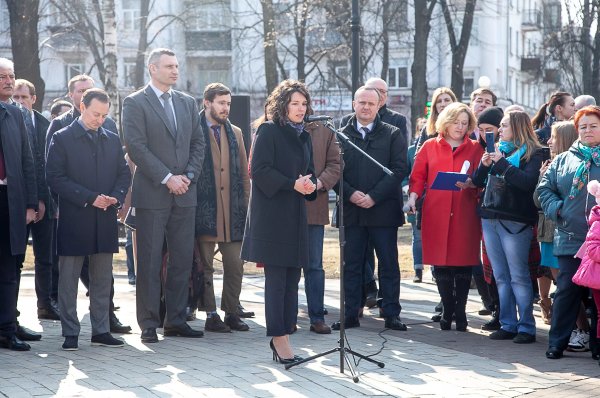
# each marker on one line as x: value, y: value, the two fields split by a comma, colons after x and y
x: 86, y: 168
x: 372, y: 207
x: 43, y: 228
x: 77, y: 86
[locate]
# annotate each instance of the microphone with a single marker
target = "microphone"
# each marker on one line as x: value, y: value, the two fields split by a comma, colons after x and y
x: 316, y: 118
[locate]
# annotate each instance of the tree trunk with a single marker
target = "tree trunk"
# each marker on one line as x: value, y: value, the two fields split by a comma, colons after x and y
x: 270, y: 40
x: 24, y: 17
x: 385, y: 40
x: 140, y: 64
x: 586, y: 50
x: 110, y: 57
x: 418, y: 70
x: 459, y: 49
x: 595, y: 85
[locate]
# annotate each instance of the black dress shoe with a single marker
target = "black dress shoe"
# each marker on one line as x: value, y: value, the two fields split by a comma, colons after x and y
x: 25, y: 334
x: 394, y: 323
x: 117, y: 327
x: 183, y: 330
x: 235, y: 323
x: 493, y: 324
x: 149, y: 335
x: 554, y: 353
x: 243, y: 313
x: 349, y: 323
x: 13, y: 343
x: 48, y: 313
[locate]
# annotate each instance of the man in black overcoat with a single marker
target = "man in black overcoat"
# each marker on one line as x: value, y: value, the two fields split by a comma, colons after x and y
x: 86, y: 168
x: 18, y: 206
x: 398, y: 120
x: 373, y: 207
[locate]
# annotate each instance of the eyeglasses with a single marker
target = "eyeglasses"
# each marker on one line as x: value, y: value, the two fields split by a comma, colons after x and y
x: 382, y: 91
x: 7, y: 77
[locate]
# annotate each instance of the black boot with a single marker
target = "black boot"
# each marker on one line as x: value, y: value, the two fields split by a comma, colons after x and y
x: 445, y: 285
x: 494, y: 323
x: 484, y: 294
x: 462, y: 283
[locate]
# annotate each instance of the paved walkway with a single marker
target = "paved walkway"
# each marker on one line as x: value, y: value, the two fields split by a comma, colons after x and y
x: 421, y: 362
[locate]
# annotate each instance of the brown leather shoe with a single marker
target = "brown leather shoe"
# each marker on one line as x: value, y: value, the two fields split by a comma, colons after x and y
x: 235, y: 323
x: 320, y: 327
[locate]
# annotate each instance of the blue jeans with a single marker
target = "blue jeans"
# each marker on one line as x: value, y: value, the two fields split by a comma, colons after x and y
x: 417, y: 248
x: 507, y: 244
x: 314, y: 276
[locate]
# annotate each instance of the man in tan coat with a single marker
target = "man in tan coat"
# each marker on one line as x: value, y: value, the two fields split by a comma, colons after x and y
x: 326, y: 158
x: 222, y: 206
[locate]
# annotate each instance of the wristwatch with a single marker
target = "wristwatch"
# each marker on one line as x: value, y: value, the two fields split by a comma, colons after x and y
x: 190, y: 175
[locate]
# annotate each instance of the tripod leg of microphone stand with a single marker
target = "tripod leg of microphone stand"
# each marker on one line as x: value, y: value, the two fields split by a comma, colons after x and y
x: 288, y: 366
x: 366, y: 358
x: 353, y: 371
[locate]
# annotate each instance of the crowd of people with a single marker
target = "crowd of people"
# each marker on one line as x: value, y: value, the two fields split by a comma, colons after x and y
x: 513, y: 218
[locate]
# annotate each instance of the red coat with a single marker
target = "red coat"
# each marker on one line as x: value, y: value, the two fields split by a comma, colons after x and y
x: 451, y: 227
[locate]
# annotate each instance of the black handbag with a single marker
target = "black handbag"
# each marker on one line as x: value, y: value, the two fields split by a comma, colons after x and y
x: 498, y: 196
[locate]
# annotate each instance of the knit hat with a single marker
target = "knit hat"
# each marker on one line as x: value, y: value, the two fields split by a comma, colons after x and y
x: 491, y: 116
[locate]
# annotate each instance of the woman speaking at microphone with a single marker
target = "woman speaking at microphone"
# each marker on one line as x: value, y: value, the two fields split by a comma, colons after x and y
x: 450, y: 228
x: 276, y: 233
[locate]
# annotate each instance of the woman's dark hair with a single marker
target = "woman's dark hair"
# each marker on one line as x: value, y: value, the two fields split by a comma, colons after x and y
x: 276, y: 108
x: 547, y: 109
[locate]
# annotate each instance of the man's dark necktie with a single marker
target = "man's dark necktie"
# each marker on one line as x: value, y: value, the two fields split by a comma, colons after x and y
x: 169, y: 111
x: 366, y: 131
x: 216, y: 128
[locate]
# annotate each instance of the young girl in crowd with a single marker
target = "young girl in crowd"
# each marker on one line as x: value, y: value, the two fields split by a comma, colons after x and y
x: 591, y: 257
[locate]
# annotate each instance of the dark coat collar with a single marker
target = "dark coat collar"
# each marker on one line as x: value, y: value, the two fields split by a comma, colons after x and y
x: 79, y: 131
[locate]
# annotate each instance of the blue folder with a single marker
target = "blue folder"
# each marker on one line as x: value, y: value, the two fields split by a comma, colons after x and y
x: 446, y: 181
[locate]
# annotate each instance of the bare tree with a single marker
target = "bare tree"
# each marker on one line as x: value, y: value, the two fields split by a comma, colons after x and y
x: 270, y: 39
x: 423, y: 13
x: 24, y: 18
x: 459, y: 48
x: 109, y: 26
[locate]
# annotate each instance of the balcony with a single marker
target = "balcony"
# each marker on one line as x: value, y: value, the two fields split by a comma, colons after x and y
x: 208, y: 40
x: 531, y: 20
x: 552, y: 76
x: 531, y: 64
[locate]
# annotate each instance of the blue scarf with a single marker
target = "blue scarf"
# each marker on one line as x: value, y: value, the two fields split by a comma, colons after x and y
x: 509, y: 147
x: 299, y: 127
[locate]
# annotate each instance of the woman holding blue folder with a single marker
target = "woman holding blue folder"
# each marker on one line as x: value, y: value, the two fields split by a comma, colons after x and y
x: 450, y: 226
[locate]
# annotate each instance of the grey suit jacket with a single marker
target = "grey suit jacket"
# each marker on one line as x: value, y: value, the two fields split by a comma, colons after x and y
x: 158, y: 151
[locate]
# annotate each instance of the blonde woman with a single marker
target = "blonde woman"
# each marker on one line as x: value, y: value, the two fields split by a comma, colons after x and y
x: 441, y: 98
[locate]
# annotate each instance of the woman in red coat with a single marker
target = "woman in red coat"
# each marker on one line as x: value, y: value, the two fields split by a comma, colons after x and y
x: 451, y: 228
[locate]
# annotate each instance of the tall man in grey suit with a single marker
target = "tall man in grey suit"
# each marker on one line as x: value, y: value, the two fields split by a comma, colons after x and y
x: 164, y: 139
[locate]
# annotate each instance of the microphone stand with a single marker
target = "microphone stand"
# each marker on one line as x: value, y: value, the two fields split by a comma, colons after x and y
x: 343, y: 340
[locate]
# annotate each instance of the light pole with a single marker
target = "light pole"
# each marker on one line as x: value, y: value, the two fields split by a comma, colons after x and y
x: 355, y: 26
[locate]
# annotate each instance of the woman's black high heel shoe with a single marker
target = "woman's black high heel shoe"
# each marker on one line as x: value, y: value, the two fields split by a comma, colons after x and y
x: 277, y: 358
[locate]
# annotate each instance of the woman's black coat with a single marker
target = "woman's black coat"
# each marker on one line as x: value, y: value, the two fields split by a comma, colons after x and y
x: 276, y: 227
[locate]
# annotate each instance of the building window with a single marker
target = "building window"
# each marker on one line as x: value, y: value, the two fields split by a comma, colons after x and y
x: 339, y: 72
x: 4, y: 21
x: 208, y: 15
x: 212, y: 70
x: 468, y: 82
x: 129, y: 74
x: 72, y: 70
x: 131, y: 15
x: 398, y: 77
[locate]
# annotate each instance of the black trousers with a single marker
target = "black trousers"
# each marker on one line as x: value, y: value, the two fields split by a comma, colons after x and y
x: 41, y: 233
x: 8, y: 271
x: 281, y: 299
